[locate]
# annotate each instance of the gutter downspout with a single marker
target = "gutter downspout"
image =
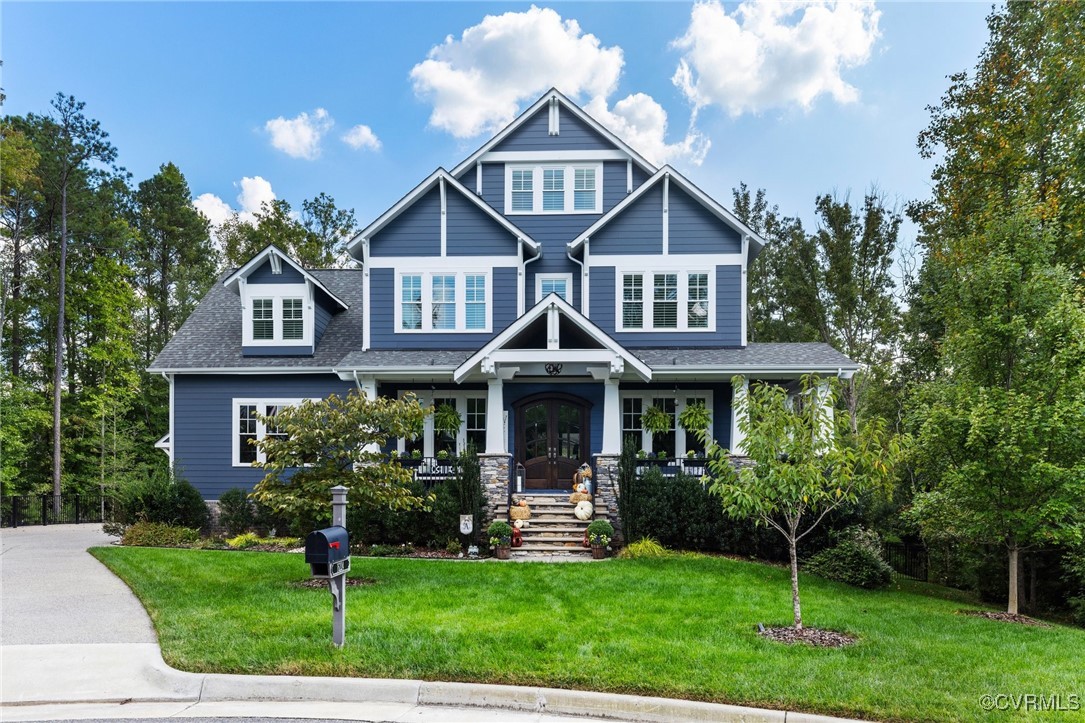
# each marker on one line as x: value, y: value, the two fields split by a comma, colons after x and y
x: 533, y: 259
x: 169, y: 380
x: 569, y: 253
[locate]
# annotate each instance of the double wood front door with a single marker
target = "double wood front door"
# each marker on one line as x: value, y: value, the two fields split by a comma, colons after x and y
x: 551, y: 439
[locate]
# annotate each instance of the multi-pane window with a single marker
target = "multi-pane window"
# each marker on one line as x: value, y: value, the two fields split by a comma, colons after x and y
x: 411, y: 302
x: 665, y: 301
x: 678, y: 300
x: 697, y: 307
x: 584, y: 189
x: 631, y: 427
x: 632, y: 301
x: 293, y: 321
x: 665, y: 441
x: 476, y: 423
x: 263, y: 319
x: 553, y: 189
x: 523, y: 191
x: 475, y: 301
x: 546, y: 284
x: 246, y: 437
x: 444, y: 302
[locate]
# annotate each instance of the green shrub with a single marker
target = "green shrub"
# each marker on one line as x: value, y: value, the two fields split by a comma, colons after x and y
x: 600, y: 532
x: 461, y: 495
x: 679, y: 512
x: 243, y: 541
x: 453, y: 547
x: 158, y: 498
x: 499, y: 532
x: 157, y: 534
x: 236, y: 511
x: 646, y: 547
x: 388, y: 550
x: 855, y: 560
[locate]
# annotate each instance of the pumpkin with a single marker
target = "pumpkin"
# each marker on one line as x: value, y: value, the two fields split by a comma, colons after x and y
x: 583, y: 510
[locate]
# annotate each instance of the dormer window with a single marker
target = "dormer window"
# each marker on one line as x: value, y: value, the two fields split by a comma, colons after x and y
x: 279, y: 315
x: 263, y: 319
x: 554, y: 188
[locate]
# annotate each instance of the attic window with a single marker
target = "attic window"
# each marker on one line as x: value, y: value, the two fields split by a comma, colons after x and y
x: 554, y: 188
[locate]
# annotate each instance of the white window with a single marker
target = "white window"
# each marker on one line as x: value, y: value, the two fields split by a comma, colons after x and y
x: 675, y: 443
x: 278, y: 315
x: 560, y: 284
x: 444, y: 302
x: 665, y: 301
x: 248, y: 428
x: 471, y: 406
x: 550, y: 188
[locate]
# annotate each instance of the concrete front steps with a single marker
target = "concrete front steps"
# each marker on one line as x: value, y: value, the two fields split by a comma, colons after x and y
x: 554, y: 529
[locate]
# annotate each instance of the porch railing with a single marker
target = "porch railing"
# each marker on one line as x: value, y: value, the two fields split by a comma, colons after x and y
x: 670, y: 466
x: 430, y: 471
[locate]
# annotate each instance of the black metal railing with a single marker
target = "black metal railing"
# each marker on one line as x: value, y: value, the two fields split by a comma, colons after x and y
x: 908, y: 560
x: 430, y: 471
x: 670, y: 466
x: 69, y: 509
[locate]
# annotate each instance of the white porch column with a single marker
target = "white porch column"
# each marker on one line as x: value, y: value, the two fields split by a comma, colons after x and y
x: 495, y: 417
x: 612, y: 418
x: 738, y: 395
x: 368, y: 387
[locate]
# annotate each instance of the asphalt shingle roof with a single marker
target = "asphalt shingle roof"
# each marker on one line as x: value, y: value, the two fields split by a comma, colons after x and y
x: 211, y: 339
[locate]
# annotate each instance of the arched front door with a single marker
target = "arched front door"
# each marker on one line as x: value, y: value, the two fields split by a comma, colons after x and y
x: 552, y: 439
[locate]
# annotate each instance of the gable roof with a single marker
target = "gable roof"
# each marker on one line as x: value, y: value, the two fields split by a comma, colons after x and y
x: 272, y: 253
x: 421, y: 190
x: 756, y: 241
x: 581, y: 322
x: 535, y: 107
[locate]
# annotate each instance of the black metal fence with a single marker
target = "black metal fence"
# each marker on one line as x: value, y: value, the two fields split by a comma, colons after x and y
x: 908, y: 560
x: 54, y: 510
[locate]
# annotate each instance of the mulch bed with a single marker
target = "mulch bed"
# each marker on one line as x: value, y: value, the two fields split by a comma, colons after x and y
x: 320, y: 584
x: 1004, y: 617
x: 809, y: 636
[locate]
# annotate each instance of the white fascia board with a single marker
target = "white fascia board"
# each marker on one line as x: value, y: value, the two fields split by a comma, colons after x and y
x: 241, y: 370
x: 403, y: 373
x: 585, y: 324
x: 536, y: 106
x: 544, y: 157
x: 421, y: 189
x: 762, y: 370
x: 655, y: 262
x: 423, y: 264
x: 254, y: 263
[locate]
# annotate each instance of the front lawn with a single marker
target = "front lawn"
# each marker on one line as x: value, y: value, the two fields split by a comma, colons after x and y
x: 681, y: 627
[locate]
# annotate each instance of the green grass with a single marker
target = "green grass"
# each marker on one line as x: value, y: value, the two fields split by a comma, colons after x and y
x: 682, y: 627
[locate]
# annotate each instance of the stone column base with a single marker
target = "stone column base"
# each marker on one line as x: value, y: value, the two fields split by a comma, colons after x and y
x: 606, y: 488
x: 496, y: 471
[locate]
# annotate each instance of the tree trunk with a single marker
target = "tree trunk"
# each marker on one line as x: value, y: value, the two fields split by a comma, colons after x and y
x: 16, y: 346
x: 796, y: 609
x: 1011, y: 606
x: 58, y: 372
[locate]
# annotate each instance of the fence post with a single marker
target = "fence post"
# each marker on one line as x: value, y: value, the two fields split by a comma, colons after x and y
x: 14, y: 512
x: 44, y: 511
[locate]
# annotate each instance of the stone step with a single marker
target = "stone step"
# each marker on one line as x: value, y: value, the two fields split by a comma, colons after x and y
x: 548, y: 546
x: 554, y: 540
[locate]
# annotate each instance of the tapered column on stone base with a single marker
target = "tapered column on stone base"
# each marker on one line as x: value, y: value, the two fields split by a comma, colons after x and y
x: 607, y: 490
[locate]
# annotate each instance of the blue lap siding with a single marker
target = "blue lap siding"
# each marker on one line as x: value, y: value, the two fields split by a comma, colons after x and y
x: 203, y: 422
x: 693, y: 229
x: 262, y: 275
x: 638, y: 229
x: 415, y: 232
x: 573, y: 135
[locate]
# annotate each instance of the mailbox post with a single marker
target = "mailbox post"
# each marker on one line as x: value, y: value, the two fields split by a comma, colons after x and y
x: 327, y: 552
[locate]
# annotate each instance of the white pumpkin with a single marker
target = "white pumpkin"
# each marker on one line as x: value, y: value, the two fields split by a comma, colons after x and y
x: 583, y: 510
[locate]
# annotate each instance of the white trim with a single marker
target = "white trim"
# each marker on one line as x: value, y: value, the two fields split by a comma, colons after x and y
x: 648, y: 300
x: 738, y: 439
x: 239, y: 276
x: 420, y: 190
x: 278, y: 293
x: 568, y: 189
x: 648, y: 397
x: 163, y: 444
x: 261, y: 431
x: 673, y: 262
x: 554, y: 157
x: 586, y: 325
x: 567, y: 278
x: 444, y: 219
x: 366, y: 303
x: 478, y: 178
x: 629, y: 176
x: 684, y: 184
x: 574, y: 109
x: 172, y: 453
x: 423, y: 264
x: 585, y: 281
x: 743, y: 281
x: 666, y: 220
x: 460, y: 301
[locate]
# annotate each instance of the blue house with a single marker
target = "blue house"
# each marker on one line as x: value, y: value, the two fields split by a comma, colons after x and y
x: 551, y: 287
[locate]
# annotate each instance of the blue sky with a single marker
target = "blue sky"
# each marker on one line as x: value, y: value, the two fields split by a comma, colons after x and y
x: 835, y: 102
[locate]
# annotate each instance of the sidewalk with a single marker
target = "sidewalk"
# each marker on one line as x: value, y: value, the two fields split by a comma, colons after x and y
x: 75, y: 643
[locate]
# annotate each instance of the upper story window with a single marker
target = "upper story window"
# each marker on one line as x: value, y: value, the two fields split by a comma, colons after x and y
x: 554, y: 188
x: 560, y: 284
x: 443, y: 302
x: 674, y: 301
x: 279, y: 314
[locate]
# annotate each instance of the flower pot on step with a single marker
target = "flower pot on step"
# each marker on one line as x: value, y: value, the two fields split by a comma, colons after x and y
x: 598, y: 552
x: 503, y: 552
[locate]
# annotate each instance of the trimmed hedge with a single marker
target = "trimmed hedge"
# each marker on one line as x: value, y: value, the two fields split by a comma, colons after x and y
x: 855, y: 560
x: 157, y: 534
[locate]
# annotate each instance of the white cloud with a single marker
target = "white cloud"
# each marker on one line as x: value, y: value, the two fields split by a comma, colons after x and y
x: 300, y: 137
x: 362, y: 137
x: 255, y: 191
x: 762, y: 57
x: 642, y: 123
x: 476, y: 83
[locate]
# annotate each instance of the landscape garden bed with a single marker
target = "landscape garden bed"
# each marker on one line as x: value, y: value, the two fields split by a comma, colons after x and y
x: 681, y: 627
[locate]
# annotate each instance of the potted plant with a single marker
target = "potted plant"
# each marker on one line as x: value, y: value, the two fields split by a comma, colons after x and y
x: 500, y: 533
x: 658, y: 422
x: 600, y: 533
x: 446, y: 419
x: 416, y: 454
x: 641, y: 454
x: 407, y: 459
x: 695, y: 419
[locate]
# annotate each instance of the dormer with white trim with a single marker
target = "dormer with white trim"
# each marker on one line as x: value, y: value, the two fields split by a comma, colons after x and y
x: 284, y: 308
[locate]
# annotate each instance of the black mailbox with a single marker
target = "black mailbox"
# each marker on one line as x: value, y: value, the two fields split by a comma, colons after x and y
x: 328, y: 551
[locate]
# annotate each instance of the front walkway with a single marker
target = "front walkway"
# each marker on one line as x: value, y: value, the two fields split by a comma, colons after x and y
x: 77, y: 644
